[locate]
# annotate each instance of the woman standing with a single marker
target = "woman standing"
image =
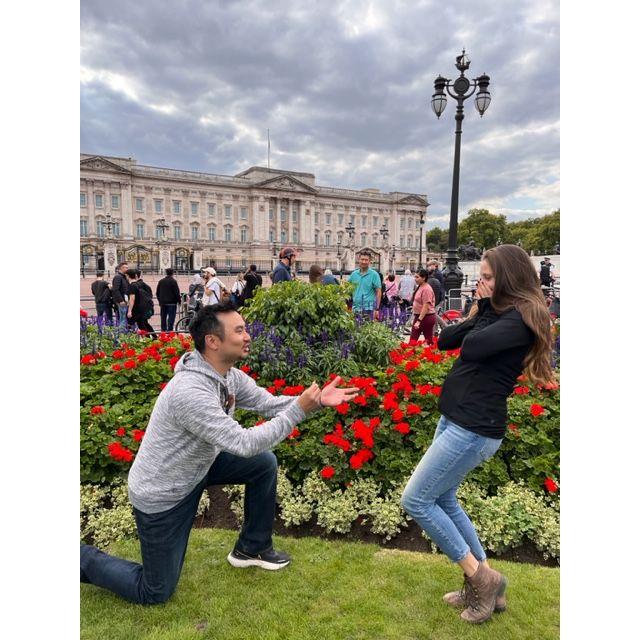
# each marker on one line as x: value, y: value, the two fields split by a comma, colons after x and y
x: 424, y: 308
x: 237, y: 289
x: 508, y: 331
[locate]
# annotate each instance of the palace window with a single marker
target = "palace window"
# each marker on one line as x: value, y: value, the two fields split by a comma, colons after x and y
x: 364, y: 221
x: 116, y: 229
x: 294, y: 215
x: 315, y: 218
x: 83, y: 199
x: 243, y: 235
x: 363, y: 239
x: 327, y: 218
x: 212, y: 234
x: 271, y: 235
x: 283, y: 214
x: 409, y: 223
x: 227, y: 234
x: 138, y: 204
x: 100, y: 229
x: 211, y: 208
x: 227, y: 211
x: 194, y: 208
x: 177, y: 232
x: 83, y: 228
x: 176, y: 206
x: 194, y: 233
x: 375, y: 221
x: 327, y: 238
x: 316, y: 238
x: 270, y: 213
x: 401, y: 223
x: 295, y: 236
x: 140, y: 230
x: 402, y: 242
x: 283, y: 237
x: 243, y: 213
x: 352, y: 219
x: 98, y: 201
x: 340, y: 219
x: 115, y: 202
x: 375, y: 239
x: 157, y: 206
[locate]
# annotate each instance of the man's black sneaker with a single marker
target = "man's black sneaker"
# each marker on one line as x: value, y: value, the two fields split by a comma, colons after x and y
x: 271, y: 559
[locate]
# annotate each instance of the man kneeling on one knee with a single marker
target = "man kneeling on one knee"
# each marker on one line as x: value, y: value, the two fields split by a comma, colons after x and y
x: 192, y: 442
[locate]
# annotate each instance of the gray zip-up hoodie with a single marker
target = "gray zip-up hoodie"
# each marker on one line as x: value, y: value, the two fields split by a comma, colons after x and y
x: 189, y: 427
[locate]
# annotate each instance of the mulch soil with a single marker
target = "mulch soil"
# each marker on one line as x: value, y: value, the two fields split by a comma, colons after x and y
x: 219, y: 515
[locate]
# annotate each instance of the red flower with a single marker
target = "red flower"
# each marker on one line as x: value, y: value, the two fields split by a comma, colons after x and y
x: 328, y: 472
x: 162, y: 385
x: 343, y: 408
x: 171, y: 351
x: 293, y: 391
x: 389, y: 371
x: 390, y: 401
x: 261, y: 421
x: 550, y: 485
x: 143, y: 357
x: 101, y: 354
x: 97, y: 409
x: 411, y: 365
x: 88, y: 359
x: 173, y: 362
x: 423, y: 389
x: 279, y: 382
x: 374, y: 423
x: 83, y: 313
x: 117, y: 354
x: 536, y: 410
x: 360, y: 400
x: 294, y: 434
x: 358, y: 459
x: 130, y: 364
x: 116, y: 367
x: 397, y: 415
x: 514, y: 429
x: 363, y: 433
x: 138, y: 434
x: 130, y: 353
x: 120, y: 453
x: 413, y: 409
x: 551, y: 386
x: 121, y: 432
x: 271, y: 390
x: 436, y: 390
x: 255, y: 376
x: 520, y: 391
x: 402, y: 427
x: 245, y: 368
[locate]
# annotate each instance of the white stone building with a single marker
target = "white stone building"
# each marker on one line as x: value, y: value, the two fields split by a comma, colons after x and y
x: 156, y: 218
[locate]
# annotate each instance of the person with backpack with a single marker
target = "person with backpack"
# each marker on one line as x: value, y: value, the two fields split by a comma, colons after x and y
x: 140, y: 302
x: 214, y: 290
x: 253, y: 280
x: 196, y: 292
x: 102, y: 296
x: 237, y: 289
x: 120, y: 291
x: 168, y: 294
x: 546, y: 277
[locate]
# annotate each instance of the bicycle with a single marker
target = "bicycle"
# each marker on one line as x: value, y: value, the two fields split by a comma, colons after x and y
x: 188, y: 311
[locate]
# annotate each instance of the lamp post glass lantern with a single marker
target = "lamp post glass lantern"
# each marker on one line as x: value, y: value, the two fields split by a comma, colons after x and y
x: 459, y: 89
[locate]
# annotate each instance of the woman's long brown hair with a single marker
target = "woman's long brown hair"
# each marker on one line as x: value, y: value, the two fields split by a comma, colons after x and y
x: 517, y: 286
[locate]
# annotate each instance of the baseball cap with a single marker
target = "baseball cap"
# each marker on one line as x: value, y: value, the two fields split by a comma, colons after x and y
x: 210, y: 270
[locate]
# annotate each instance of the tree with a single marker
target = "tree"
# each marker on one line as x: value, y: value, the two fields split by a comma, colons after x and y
x: 483, y: 227
x: 539, y: 235
x: 437, y: 239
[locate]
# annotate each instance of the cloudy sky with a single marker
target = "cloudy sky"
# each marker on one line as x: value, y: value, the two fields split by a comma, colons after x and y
x: 343, y: 87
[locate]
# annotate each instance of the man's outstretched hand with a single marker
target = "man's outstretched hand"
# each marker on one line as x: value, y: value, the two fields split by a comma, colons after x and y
x: 331, y: 396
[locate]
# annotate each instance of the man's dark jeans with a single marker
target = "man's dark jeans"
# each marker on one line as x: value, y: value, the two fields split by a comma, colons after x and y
x: 167, y: 316
x: 164, y: 536
x: 104, y: 312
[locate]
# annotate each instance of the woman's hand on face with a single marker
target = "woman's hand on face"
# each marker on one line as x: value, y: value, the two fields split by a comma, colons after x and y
x: 483, y: 290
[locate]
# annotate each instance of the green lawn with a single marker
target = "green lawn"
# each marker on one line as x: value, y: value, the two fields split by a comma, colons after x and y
x: 331, y: 590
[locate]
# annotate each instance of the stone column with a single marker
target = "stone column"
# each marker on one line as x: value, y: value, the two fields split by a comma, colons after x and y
x: 290, y: 221
x: 126, y: 207
x: 306, y: 222
x: 165, y: 257
x: 197, y: 259
x: 110, y: 258
x: 384, y: 260
x: 91, y: 214
x: 278, y: 204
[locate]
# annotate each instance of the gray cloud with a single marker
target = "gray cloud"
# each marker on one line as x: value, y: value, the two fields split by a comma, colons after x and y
x: 344, y: 88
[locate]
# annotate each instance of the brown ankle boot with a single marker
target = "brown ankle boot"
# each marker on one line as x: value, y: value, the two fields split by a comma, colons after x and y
x: 458, y: 599
x: 482, y: 589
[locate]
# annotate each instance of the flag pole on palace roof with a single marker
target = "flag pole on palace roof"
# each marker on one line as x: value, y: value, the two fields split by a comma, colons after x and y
x: 268, y: 150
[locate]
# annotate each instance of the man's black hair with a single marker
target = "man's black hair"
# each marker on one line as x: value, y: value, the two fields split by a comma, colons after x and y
x: 121, y: 264
x: 365, y: 253
x: 252, y: 267
x: 206, y: 322
x: 169, y: 272
x: 99, y: 274
x: 138, y: 273
x: 132, y: 273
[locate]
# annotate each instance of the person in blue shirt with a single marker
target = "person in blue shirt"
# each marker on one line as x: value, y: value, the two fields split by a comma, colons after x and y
x: 366, y: 298
x: 282, y: 272
x: 329, y: 278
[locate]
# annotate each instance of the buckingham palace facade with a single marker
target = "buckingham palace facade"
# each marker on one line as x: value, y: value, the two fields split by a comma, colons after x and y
x: 154, y: 217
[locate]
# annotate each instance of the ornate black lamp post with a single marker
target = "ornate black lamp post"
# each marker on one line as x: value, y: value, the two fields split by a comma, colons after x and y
x: 463, y: 88
x: 384, y: 232
x: 108, y: 225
